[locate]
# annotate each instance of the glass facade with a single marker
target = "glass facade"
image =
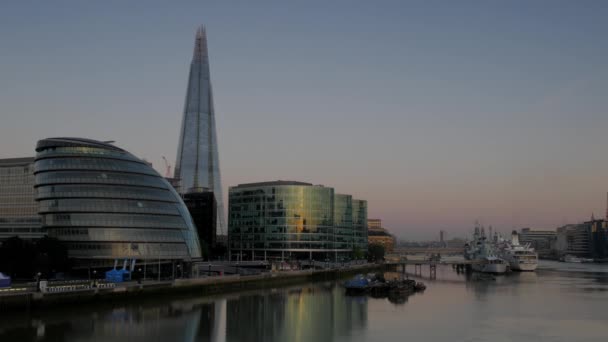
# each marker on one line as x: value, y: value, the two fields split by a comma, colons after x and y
x: 197, y: 166
x: 343, y: 220
x: 105, y: 203
x: 18, y: 209
x: 289, y: 220
x: 360, y: 224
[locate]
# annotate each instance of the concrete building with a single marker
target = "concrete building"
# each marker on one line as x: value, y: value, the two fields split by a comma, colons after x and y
x: 573, y: 239
x: 540, y: 240
x: 374, y: 224
x: 18, y: 208
x: 588, y: 239
x: 380, y: 236
x: 105, y: 204
x: 283, y: 220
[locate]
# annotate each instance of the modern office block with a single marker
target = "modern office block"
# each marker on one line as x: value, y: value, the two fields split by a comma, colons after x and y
x: 18, y: 208
x: 293, y: 220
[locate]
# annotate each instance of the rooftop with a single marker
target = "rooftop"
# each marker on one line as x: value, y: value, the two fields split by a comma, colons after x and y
x: 272, y: 183
x: 74, y: 142
x: 16, y: 161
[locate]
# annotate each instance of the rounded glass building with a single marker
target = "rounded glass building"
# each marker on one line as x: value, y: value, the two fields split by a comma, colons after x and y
x: 289, y: 220
x: 104, y: 203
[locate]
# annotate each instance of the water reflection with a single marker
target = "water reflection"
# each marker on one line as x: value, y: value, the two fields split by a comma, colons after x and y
x: 317, y: 312
x: 557, y: 303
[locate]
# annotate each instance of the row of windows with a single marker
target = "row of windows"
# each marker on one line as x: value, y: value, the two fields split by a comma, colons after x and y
x: 84, y: 152
x: 107, y: 191
x: 112, y: 220
x: 97, y: 164
x: 107, y: 205
x: 91, y: 177
x: 118, y: 234
x: 123, y: 250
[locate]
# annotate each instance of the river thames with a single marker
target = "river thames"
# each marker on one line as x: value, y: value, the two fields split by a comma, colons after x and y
x: 559, y: 302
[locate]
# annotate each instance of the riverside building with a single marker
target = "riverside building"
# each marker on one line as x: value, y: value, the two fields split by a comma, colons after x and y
x: 18, y: 209
x: 380, y: 236
x: 283, y: 220
x: 105, y: 204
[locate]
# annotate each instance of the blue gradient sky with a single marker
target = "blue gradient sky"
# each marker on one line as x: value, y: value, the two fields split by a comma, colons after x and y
x: 437, y: 112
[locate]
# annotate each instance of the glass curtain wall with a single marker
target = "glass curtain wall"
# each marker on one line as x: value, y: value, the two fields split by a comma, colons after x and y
x: 105, y: 203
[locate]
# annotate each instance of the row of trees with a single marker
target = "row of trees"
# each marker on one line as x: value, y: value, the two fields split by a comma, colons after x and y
x: 375, y: 253
x: 24, y: 259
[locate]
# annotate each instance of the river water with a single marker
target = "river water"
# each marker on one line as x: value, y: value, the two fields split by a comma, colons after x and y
x: 559, y: 302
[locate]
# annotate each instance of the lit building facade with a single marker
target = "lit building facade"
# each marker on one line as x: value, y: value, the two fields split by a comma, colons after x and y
x: 343, y: 222
x: 197, y: 167
x: 104, y: 203
x: 292, y: 220
x: 380, y: 236
x: 374, y: 224
x: 18, y: 208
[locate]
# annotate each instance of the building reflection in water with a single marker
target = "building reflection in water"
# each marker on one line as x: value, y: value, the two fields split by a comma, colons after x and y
x: 307, y: 314
x: 319, y: 313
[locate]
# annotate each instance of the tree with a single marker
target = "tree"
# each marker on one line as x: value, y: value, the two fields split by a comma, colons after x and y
x: 24, y: 259
x: 51, y: 256
x: 358, y: 253
x: 375, y: 252
x: 17, y: 257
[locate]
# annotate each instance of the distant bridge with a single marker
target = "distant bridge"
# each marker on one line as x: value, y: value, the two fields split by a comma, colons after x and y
x: 428, y: 250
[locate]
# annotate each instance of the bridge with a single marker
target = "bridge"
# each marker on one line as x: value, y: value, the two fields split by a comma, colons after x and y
x: 460, y: 264
x: 428, y: 250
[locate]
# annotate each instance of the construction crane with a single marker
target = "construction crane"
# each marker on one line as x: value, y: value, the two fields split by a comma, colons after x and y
x: 167, y: 168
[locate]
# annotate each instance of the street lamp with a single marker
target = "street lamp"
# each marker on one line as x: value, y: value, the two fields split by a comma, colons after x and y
x: 160, y: 245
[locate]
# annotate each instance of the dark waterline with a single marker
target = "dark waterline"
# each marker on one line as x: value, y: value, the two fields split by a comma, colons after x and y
x: 560, y: 302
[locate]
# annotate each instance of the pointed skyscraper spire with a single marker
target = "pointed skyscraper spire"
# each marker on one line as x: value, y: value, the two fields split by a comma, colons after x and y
x: 197, y: 166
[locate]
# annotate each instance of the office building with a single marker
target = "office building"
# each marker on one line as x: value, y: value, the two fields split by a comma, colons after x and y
x: 573, y: 239
x: 360, y: 224
x: 18, y: 208
x: 197, y: 167
x: 283, y: 220
x: 105, y: 204
x: 540, y: 240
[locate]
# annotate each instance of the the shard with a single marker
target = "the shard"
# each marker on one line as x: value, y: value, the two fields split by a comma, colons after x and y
x: 197, y: 167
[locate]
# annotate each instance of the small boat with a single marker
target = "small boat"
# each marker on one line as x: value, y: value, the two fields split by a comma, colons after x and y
x: 358, y: 284
x: 379, y: 289
x: 420, y: 287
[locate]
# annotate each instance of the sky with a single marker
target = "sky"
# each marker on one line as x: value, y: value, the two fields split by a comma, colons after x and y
x: 439, y: 113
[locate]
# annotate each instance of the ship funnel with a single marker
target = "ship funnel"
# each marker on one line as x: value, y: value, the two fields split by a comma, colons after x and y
x: 514, y: 238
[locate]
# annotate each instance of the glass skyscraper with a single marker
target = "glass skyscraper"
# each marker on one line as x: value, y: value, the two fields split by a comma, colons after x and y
x: 197, y: 167
x: 104, y: 203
